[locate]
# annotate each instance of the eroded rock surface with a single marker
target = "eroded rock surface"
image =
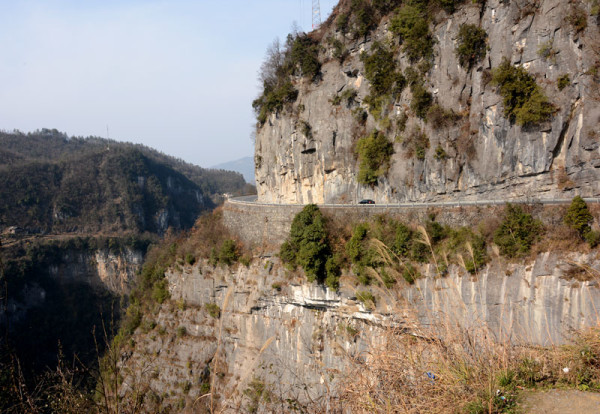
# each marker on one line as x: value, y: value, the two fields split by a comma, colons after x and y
x: 297, y: 339
x: 486, y: 155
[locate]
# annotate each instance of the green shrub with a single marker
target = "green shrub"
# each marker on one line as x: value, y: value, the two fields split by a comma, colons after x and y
x: 578, y: 216
x: 410, y: 274
x: 363, y: 18
x: 377, y: 105
x: 435, y: 231
x: 306, y: 129
x: 440, y: 153
x: 273, y: 100
x: 213, y: 310
x: 418, y: 143
x: 366, y: 298
x: 308, y: 245
x: 246, y: 260
x: 299, y: 57
x: 304, y: 56
x: 478, y: 254
x: 380, y: 69
x: 472, y: 42
x: 342, y: 22
x: 401, y: 122
x: 181, y: 331
x: 228, y: 254
x: 361, y: 254
x: 421, y: 100
x: 333, y: 272
x: 592, y: 238
x: 420, y: 252
x: 517, y: 232
x: 563, y: 81
x: 388, y: 281
x: 339, y: 50
x: 374, y: 153
x: 403, y: 239
x: 577, y: 18
x: 439, y: 117
x: 411, y: 25
x: 160, y: 291
x: 595, y: 9
x: 384, y: 7
x: 354, y: 247
x: 546, y: 51
x: 349, y: 96
x: 524, y: 101
x: 190, y: 259
x: 450, y: 5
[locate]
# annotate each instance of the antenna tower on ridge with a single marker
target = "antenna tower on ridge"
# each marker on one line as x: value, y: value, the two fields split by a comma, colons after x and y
x: 316, y: 14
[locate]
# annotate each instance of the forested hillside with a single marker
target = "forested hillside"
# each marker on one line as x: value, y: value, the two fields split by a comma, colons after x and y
x: 52, y: 183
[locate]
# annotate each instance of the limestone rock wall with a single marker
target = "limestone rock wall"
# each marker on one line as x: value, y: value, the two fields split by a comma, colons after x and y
x: 296, y: 339
x: 101, y: 269
x: 487, y: 156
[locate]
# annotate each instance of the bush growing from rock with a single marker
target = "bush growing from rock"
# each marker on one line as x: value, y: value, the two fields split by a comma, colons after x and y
x: 411, y: 25
x: 523, y: 99
x: 563, y: 81
x: 517, y: 232
x: 579, y: 218
x: 472, y: 42
x: 380, y: 69
x: 228, y: 253
x: 374, y: 153
x: 421, y: 100
x: 308, y: 247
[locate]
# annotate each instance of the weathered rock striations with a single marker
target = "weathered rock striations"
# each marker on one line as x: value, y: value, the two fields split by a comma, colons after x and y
x: 296, y: 339
x: 486, y: 155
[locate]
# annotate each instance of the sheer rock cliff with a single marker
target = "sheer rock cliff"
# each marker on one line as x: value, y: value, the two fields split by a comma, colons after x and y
x: 486, y: 156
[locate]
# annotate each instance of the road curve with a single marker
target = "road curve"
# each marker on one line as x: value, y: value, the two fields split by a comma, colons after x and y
x: 253, y: 200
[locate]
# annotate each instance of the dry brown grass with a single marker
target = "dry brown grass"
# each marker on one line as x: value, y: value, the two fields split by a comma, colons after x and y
x: 445, y: 368
x: 449, y: 369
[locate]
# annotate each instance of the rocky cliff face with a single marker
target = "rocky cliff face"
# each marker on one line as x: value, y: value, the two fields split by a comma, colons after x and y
x: 101, y: 270
x: 295, y: 340
x: 485, y: 155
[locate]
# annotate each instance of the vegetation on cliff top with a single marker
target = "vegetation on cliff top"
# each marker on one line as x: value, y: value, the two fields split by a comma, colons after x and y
x: 298, y: 57
x: 308, y: 247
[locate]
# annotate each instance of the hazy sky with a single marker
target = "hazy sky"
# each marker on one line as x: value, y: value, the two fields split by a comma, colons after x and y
x: 176, y: 75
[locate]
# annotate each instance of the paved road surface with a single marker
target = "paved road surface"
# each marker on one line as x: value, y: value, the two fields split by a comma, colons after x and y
x: 458, y: 203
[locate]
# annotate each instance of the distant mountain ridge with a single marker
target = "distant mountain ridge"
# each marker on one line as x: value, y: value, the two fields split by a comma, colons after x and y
x: 52, y: 183
x: 244, y: 166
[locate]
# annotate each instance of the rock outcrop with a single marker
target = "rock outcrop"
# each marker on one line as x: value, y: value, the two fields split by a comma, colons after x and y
x: 100, y: 271
x: 485, y: 155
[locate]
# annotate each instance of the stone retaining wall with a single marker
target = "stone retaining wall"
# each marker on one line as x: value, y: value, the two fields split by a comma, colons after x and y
x: 266, y: 226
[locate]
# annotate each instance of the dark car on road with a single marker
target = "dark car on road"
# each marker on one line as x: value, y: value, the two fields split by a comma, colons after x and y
x: 366, y: 202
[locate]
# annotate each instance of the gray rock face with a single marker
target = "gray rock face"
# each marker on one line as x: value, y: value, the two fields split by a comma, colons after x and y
x: 297, y: 339
x: 487, y: 156
x: 100, y: 269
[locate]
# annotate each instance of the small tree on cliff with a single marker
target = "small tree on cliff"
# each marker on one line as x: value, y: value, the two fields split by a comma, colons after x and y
x: 578, y: 217
x: 308, y: 246
x: 517, y: 232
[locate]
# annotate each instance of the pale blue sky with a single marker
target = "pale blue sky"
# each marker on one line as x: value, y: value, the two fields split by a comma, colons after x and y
x: 176, y: 75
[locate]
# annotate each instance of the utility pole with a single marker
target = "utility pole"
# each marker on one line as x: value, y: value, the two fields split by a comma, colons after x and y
x: 316, y: 14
